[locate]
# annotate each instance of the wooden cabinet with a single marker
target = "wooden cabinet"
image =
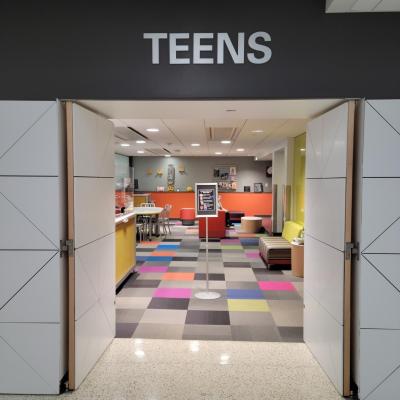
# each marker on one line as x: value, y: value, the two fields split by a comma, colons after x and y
x: 298, y: 260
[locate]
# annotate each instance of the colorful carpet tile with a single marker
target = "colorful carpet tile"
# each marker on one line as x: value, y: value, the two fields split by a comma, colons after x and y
x: 255, y: 304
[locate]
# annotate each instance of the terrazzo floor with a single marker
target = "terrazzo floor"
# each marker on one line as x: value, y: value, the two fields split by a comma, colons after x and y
x: 256, y: 304
x: 151, y: 369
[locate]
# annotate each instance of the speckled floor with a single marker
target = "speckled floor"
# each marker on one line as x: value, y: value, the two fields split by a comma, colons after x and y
x: 152, y: 369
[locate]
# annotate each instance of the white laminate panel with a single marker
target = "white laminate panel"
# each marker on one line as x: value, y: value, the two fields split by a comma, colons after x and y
x: 39, y: 300
x: 380, y: 209
x: 379, y: 357
x: 17, y: 232
x: 380, y: 299
x: 93, y: 144
x: 324, y: 337
x: 323, y: 267
x: 33, y: 148
x: 94, y: 209
x: 18, y: 117
x: 325, y: 211
x: 389, y: 110
x: 95, y: 274
x: 388, y: 389
x: 31, y: 358
x: 36, y: 200
x: 17, y: 268
x: 327, y: 144
x: 381, y: 146
x: 93, y: 334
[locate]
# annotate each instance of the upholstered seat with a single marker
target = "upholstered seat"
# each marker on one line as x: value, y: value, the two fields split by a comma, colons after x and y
x: 277, y: 249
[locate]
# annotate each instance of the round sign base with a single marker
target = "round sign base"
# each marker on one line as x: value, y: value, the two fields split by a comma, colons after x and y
x: 207, y: 295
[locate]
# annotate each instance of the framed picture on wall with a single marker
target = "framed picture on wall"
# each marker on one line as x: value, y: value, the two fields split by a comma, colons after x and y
x: 246, y: 188
x: 258, y: 188
x: 268, y: 172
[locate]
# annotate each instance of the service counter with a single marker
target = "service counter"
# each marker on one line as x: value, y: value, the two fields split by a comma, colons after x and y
x: 125, y: 245
x: 249, y: 202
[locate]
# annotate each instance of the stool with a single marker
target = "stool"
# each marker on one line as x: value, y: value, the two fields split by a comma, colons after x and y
x: 250, y: 224
x: 187, y: 216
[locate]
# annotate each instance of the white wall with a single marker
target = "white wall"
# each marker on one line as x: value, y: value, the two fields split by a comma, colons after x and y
x: 32, y: 274
x: 377, y: 274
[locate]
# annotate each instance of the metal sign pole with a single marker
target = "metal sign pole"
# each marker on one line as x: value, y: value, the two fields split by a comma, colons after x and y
x: 207, y: 295
x: 207, y: 288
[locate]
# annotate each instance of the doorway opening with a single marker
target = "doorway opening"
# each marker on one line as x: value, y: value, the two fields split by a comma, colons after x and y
x: 255, y: 250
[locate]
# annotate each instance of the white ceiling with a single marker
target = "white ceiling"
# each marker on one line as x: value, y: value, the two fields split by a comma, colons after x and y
x: 181, y: 123
x: 348, y: 6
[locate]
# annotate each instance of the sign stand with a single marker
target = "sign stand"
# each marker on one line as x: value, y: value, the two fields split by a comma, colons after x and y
x: 207, y: 295
x: 206, y: 206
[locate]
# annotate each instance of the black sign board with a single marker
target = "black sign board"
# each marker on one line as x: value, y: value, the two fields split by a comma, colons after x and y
x: 206, y: 200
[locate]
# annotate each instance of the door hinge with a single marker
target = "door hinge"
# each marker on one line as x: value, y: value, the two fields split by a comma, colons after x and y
x: 67, y: 247
x: 351, y: 249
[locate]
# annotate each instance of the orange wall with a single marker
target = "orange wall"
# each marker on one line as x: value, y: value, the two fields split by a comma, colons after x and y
x: 249, y: 203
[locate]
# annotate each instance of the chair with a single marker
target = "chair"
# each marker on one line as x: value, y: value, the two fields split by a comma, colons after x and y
x: 277, y: 249
x: 147, y: 219
x: 147, y: 204
x: 163, y: 220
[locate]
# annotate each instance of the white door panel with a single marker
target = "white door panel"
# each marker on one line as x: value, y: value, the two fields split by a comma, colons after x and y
x: 380, y: 212
x: 93, y: 230
x: 17, y: 268
x: 325, y: 210
x: 36, y: 200
x: 324, y: 337
x: 380, y: 311
x: 328, y: 213
x: 379, y: 358
x: 32, y: 146
x: 381, y: 151
x: 324, y: 272
x: 93, y: 334
x: 93, y: 144
x: 32, y: 303
x: 17, y: 118
x: 93, y: 276
x: 32, y: 355
x: 389, y: 110
x: 32, y: 223
x: 327, y: 144
x: 94, y: 211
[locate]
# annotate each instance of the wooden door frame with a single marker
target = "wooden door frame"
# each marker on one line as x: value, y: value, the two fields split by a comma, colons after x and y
x: 71, y: 237
x: 347, y: 285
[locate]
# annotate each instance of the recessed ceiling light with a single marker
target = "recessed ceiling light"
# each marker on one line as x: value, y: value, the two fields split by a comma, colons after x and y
x: 167, y: 155
x: 195, y: 144
x: 218, y: 153
x: 125, y: 144
x: 257, y: 131
x: 302, y: 149
x: 239, y: 149
x: 140, y: 151
x: 152, y: 130
x: 140, y: 141
x: 225, y: 141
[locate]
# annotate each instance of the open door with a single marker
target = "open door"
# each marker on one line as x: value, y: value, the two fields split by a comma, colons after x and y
x: 91, y: 239
x: 328, y: 247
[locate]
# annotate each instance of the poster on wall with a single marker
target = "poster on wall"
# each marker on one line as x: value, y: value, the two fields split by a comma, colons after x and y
x: 206, y: 200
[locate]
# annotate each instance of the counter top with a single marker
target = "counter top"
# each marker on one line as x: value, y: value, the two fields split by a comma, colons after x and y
x: 123, y: 217
x: 138, y: 211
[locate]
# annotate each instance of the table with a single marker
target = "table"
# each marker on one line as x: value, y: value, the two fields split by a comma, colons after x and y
x: 250, y: 224
x: 149, y: 212
x: 298, y: 260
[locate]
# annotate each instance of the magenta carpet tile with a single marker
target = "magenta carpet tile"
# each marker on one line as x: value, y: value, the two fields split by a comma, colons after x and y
x: 153, y: 268
x: 173, y: 293
x: 278, y: 285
